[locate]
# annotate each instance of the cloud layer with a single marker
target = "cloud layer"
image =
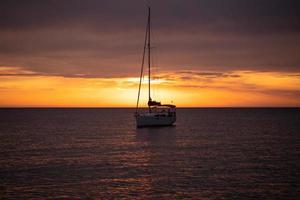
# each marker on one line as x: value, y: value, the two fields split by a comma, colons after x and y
x: 20, y: 87
x: 104, y: 38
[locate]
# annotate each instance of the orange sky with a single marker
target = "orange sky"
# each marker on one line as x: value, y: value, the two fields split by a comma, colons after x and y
x: 183, y: 88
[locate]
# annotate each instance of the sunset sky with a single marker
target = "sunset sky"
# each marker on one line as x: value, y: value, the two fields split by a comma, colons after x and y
x: 87, y: 53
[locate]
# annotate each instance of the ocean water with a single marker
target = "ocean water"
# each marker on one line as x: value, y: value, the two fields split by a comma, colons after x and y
x: 100, y: 154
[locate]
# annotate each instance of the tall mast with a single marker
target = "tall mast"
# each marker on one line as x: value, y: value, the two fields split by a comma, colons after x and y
x: 142, y: 68
x: 149, y: 53
x: 146, y: 46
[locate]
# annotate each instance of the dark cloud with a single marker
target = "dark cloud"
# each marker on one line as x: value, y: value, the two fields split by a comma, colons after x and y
x: 199, y: 77
x: 104, y: 37
x: 26, y: 75
x: 188, y: 74
x: 255, y: 15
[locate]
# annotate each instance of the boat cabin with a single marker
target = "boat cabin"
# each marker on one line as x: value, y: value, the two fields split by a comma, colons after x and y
x: 165, y: 109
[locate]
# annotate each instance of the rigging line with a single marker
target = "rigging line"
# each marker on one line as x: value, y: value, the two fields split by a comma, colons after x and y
x: 142, y: 68
x: 149, y: 54
x: 155, y: 89
x: 154, y: 71
x: 153, y: 61
x: 155, y: 65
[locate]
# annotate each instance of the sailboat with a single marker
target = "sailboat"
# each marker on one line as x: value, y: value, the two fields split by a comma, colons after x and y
x: 157, y: 114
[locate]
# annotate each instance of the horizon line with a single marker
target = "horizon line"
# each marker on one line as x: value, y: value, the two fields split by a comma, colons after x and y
x: 111, y: 107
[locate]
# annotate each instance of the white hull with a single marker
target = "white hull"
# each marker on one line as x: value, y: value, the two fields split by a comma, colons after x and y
x: 155, y: 120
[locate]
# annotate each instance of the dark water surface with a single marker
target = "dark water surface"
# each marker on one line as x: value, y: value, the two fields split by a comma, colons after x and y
x: 99, y: 154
